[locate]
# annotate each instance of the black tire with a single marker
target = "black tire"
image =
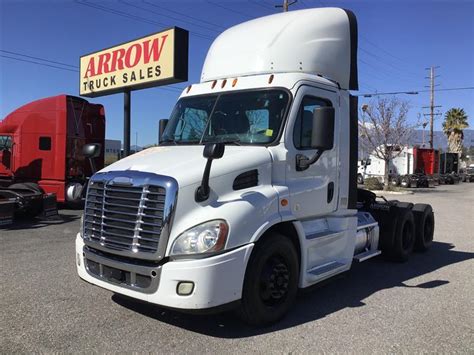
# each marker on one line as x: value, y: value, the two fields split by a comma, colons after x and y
x: 405, y: 182
x: 405, y: 204
x: 271, y: 281
x: 424, y: 226
x: 404, y: 240
x: 395, y: 182
x: 360, y: 179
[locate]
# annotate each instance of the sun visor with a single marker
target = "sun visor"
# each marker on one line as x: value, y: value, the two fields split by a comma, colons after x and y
x: 315, y: 41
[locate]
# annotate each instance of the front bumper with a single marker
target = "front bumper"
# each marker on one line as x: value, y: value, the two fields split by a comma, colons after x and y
x: 217, y: 280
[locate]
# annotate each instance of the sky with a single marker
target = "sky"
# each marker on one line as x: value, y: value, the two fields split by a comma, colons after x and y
x: 397, y: 41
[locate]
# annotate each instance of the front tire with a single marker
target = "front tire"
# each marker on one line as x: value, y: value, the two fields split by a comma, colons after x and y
x: 271, y: 281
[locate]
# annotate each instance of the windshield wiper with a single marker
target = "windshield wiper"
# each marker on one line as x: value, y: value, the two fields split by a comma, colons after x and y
x: 229, y: 141
x: 169, y: 140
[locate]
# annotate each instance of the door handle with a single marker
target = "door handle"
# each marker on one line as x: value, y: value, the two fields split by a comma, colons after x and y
x: 330, y: 191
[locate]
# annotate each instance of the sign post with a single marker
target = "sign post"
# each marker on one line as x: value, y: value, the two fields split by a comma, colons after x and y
x: 126, y: 122
x: 158, y: 59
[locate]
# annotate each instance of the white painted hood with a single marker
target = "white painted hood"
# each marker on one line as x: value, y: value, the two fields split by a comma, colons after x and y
x: 186, y: 164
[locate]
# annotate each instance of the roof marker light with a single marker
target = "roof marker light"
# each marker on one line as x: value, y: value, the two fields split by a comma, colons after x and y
x: 188, y: 89
x: 270, y: 79
x: 223, y: 83
x: 234, y: 82
x: 213, y: 84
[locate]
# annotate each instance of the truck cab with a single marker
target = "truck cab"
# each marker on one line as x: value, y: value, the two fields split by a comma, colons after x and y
x: 252, y: 192
x: 41, y: 144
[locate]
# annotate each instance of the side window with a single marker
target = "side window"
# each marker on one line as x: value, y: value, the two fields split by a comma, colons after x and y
x: 5, y: 142
x: 304, y: 122
x: 45, y: 143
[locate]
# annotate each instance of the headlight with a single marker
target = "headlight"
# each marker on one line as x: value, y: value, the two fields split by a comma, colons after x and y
x: 204, y: 238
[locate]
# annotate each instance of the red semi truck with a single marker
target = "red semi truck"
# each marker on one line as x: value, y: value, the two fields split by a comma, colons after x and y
x: 41, y: 147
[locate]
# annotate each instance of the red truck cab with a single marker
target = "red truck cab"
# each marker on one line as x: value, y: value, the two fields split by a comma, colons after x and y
x: 41, y: 142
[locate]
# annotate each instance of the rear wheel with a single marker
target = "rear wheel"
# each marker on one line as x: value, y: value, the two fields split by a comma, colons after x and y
x: 404, y: 239
x: 424, y: 226
x: 360, y: 179
x: 405, y: 182
x: 271, y: 281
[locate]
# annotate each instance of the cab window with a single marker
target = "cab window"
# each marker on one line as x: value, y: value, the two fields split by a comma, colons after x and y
x: 5, y: 142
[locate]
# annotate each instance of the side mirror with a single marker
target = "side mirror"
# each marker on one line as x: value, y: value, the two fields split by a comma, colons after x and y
x: 161, y: 128
x: 91, y: 150
x: 213, y: 150
x: 322, y: 137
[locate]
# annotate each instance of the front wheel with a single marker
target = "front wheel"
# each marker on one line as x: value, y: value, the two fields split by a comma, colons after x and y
x: 271, y: 281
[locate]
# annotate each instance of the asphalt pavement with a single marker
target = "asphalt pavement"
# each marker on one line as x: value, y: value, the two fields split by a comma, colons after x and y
x: 424, y: 305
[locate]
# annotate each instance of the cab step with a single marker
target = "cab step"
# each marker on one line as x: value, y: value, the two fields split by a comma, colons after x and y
x: 366, y: 255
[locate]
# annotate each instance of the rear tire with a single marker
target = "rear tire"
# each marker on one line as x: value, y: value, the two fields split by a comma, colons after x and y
x: 271, y: 281
x: 404, y: 240
x: 405, y: 182
x: 424, y: 226
x: 360, y: 179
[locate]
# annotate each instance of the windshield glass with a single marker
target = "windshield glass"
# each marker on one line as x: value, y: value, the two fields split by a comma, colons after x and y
x: 250, y: 117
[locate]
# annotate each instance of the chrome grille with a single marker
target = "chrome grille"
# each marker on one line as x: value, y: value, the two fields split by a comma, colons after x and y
x: 126, y: 217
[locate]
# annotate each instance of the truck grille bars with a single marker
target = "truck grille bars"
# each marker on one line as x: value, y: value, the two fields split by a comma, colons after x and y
x: 129, y: 213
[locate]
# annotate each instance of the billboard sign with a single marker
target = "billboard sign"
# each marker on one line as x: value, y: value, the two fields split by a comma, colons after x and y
x: 154, y: 60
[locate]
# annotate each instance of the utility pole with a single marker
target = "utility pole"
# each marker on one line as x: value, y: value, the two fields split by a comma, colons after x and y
x: 286, y: 5
x: 432, y: 105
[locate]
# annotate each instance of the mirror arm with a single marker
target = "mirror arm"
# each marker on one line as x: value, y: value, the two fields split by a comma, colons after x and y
x: 202, y: 192
x: 303, y: 162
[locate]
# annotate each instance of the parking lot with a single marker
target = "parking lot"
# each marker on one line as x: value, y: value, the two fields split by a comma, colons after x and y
x: 424, y: 305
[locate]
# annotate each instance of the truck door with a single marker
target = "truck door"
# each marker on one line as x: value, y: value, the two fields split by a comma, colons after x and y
x: 314, y: 191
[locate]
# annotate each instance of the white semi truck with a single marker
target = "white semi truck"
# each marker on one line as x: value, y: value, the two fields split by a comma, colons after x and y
x: 252, y: 192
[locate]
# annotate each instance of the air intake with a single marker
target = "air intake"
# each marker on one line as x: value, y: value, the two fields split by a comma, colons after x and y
x: 246, y: 180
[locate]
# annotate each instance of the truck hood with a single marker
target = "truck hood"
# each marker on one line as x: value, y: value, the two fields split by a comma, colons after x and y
x: 186, y: 164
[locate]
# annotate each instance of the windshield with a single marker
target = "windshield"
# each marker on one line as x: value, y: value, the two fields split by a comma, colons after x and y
x: 250, y: 117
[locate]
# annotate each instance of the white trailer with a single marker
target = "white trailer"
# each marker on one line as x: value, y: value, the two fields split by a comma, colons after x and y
x: 252, y: 193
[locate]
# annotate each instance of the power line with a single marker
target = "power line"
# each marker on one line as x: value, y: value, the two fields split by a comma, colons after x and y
x: 230, y: 9
x: 183, y: 14
x: 133, y: 17
x: 37, y: 58
x: 184, y: 21
x: 39, y: 63
x: 414, y: 92
x: 168, y: 88
x: 261, y: 5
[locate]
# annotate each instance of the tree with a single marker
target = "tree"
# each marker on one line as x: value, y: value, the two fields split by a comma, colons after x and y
x: 455, y: 121
x: 384, y: 130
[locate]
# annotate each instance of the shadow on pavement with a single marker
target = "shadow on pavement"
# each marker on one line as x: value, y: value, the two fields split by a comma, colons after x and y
x: 348, y: 290
x: 35, y: 223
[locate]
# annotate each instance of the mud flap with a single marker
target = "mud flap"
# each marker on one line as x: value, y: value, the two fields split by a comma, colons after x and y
x: 7, y: 211
x: 50, y: 207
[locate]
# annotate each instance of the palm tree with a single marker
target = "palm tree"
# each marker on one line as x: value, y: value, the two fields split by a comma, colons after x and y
x: 455, y: 121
